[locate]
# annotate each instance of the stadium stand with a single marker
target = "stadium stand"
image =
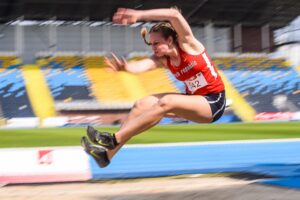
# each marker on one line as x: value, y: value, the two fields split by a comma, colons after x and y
x: 237, y: 101
x: 269, y: 85
x: 38, y: 91
x: 13, y: 94
x: 66, y: 78
x: 156, y: 81
x: 106, y: 86
x: 178, y: 84
x: 125, y: 87
x: 2, y: 119
x: 255, y: 82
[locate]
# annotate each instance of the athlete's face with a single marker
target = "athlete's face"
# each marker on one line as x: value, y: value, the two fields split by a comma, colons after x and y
x: 159, y: 44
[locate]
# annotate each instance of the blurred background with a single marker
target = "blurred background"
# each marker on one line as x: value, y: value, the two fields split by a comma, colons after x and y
x: 53, y: 74
x: 53, y: 77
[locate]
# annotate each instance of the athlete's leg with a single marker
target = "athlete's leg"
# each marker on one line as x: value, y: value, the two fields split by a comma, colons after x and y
x: 109, y: 141
x: 193, y: 107
x: 140, y: 106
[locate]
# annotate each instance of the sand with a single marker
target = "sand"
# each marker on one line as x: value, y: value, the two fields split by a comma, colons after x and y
x: 171, y: 188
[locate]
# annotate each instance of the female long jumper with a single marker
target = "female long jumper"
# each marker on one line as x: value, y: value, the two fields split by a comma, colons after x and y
x: 175, y: 48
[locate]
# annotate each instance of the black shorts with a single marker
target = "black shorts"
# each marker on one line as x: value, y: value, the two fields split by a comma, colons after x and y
x: 217, y: 102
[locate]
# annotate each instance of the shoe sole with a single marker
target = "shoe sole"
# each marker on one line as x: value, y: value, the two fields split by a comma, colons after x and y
x: 90, y: 149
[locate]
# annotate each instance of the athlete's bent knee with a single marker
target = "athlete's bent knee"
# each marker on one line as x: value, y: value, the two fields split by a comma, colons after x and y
x: 145, y: 103
x: 166, y: 103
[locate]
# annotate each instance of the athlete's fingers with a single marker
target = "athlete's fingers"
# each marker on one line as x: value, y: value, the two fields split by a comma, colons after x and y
x: 117, y: 60
x: 124, y: 63
x: 124, y: 60
x: 116, y: 64
x: 121, y: 10
x: 120, y: 63
x: 131, y: 21
x: 125, y: 16
x: 110, y: 64
x: 120, y: 20
x: 119, y: 15
x: 124, y: 21
x: 117, y: 18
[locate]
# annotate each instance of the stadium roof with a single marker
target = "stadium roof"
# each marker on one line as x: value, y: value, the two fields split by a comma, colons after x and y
x: 277, y: 13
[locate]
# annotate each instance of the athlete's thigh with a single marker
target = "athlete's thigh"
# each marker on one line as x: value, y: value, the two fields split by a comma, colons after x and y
x: 191, y: 107
x: 148, y: 101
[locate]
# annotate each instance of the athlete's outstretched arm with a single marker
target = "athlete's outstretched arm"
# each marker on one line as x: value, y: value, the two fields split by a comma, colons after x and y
x: 130, y: 16
x: 139, y: 66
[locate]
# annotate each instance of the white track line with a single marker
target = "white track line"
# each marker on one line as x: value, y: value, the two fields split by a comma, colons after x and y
x: 214, y: 143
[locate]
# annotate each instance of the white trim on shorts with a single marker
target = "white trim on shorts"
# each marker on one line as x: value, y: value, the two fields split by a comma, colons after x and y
x: 220, y: 96
x: 219, y: 109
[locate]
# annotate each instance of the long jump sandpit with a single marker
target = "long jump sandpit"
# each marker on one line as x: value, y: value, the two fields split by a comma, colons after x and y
x: 170, y: 188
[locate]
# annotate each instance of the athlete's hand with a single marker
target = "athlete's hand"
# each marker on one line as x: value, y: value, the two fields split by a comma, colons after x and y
x: 115, y: 64
x: 126, y: 16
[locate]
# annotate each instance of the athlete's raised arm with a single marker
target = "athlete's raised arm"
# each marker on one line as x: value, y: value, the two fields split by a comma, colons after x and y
x: 185, y: 34
x: 139, y: 66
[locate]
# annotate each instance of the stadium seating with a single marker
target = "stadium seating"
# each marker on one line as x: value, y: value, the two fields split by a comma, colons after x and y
x: 106, y: 85
x: 13, y: 95
x: 2, y: 119
x: 259, y: 80
x: 125, y: 87
x: 269, y: 85
x: 178, y: 84
x: 156, y: 81
x: 66, y: 78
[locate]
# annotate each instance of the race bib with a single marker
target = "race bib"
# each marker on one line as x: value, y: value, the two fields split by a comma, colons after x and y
x: 196, y: 82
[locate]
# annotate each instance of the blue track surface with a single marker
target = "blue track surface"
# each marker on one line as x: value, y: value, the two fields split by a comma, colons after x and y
x: 276, y: 159
x: 291, y: 182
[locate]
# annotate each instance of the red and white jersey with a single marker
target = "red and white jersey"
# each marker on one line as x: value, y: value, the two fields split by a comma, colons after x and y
x: 198, y: 73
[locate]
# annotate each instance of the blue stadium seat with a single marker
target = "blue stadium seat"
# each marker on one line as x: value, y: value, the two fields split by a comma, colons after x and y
x: 67, y: 82
x: 262, y: 81
x: 179, y: 84
x: 13, y: 95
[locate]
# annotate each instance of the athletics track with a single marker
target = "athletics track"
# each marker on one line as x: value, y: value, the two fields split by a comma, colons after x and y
x: 278, y: 159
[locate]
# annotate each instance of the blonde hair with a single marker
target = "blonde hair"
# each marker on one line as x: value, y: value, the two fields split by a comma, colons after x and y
x: 165, y: 28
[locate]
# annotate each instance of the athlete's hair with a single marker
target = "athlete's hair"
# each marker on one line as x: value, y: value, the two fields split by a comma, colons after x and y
x: 165, y: 28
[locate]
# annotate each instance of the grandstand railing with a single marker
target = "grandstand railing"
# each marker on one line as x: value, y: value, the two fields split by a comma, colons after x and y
x: 91, y: 105
x: 46, y: 54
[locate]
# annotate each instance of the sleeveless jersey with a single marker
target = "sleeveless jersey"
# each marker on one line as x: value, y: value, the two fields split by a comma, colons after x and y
x: 198, y: 73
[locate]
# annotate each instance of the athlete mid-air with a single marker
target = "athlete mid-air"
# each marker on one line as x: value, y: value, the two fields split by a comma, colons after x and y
x: 175, y: 48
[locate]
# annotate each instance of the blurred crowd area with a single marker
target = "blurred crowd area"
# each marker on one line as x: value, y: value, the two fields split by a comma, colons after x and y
x: 68, y: 89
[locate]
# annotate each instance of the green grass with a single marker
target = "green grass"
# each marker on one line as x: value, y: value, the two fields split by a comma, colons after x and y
x: 159, y: 134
